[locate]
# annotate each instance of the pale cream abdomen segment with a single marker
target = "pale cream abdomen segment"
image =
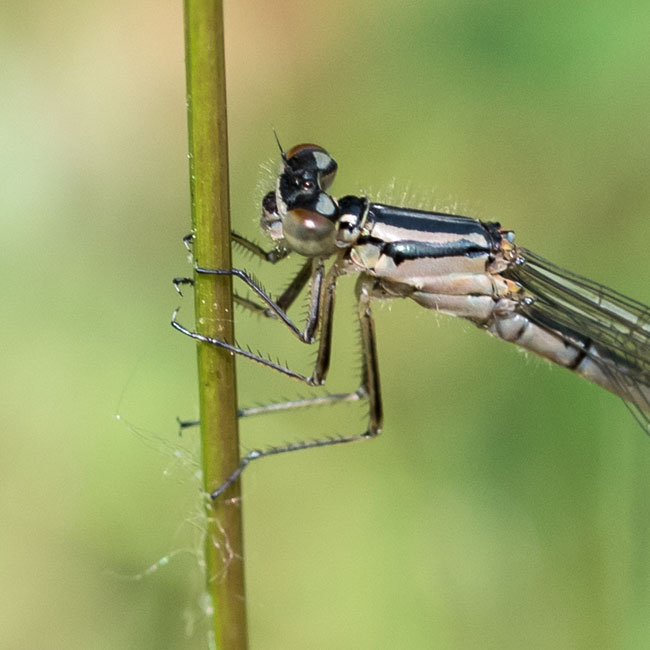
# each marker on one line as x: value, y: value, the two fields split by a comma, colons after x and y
x: 588, y: 362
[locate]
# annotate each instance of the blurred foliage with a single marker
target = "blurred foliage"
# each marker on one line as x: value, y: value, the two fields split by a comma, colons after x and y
x: 506, y: 504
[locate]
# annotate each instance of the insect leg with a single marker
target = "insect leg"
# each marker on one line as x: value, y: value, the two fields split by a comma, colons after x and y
x: 306, y: 335
x: 370, y: 386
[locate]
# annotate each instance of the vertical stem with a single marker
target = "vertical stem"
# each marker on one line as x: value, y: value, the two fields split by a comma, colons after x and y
x: 208, y: 145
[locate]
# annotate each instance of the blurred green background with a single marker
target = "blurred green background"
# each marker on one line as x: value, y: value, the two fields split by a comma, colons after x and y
x: 507, y: 503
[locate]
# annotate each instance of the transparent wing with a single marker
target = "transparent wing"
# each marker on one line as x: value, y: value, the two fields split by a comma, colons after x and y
x: 612, y: 329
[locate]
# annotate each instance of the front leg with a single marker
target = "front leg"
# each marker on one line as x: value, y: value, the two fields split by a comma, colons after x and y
x: 278, y: 308
x: 286, y: 299
x: 272, y: 256
x: 305, y: 335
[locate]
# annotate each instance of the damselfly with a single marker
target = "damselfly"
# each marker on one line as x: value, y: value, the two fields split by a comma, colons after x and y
x: 452, y: 264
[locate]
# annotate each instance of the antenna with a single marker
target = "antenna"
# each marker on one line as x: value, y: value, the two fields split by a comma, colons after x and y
x: 284, y: 157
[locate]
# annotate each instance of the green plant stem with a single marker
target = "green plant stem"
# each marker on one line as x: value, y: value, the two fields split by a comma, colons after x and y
x: 208, y: 144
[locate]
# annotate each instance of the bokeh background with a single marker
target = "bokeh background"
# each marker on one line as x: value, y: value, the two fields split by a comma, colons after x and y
x: 507, y: 503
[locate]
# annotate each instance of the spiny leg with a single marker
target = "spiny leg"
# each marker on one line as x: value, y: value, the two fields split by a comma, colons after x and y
x: 370, y: 386
x: 284, y: 302
x: 320, y: 312
x: 321, y: 307
x: 307, y: 334
x: 274, y: 451
x: 247, y: 303
x: 294, y: 289
x: 272, y: 256
x: 319, y: 371
x: 287, y: 405
x: 286, y: 299
x: 370, y: 381
x: 298, y: 283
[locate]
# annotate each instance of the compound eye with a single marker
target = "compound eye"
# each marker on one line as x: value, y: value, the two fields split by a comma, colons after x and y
x: 300, y: 150
x: 309, y: 233
x: 314, y: 159
x: 327, y: 177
